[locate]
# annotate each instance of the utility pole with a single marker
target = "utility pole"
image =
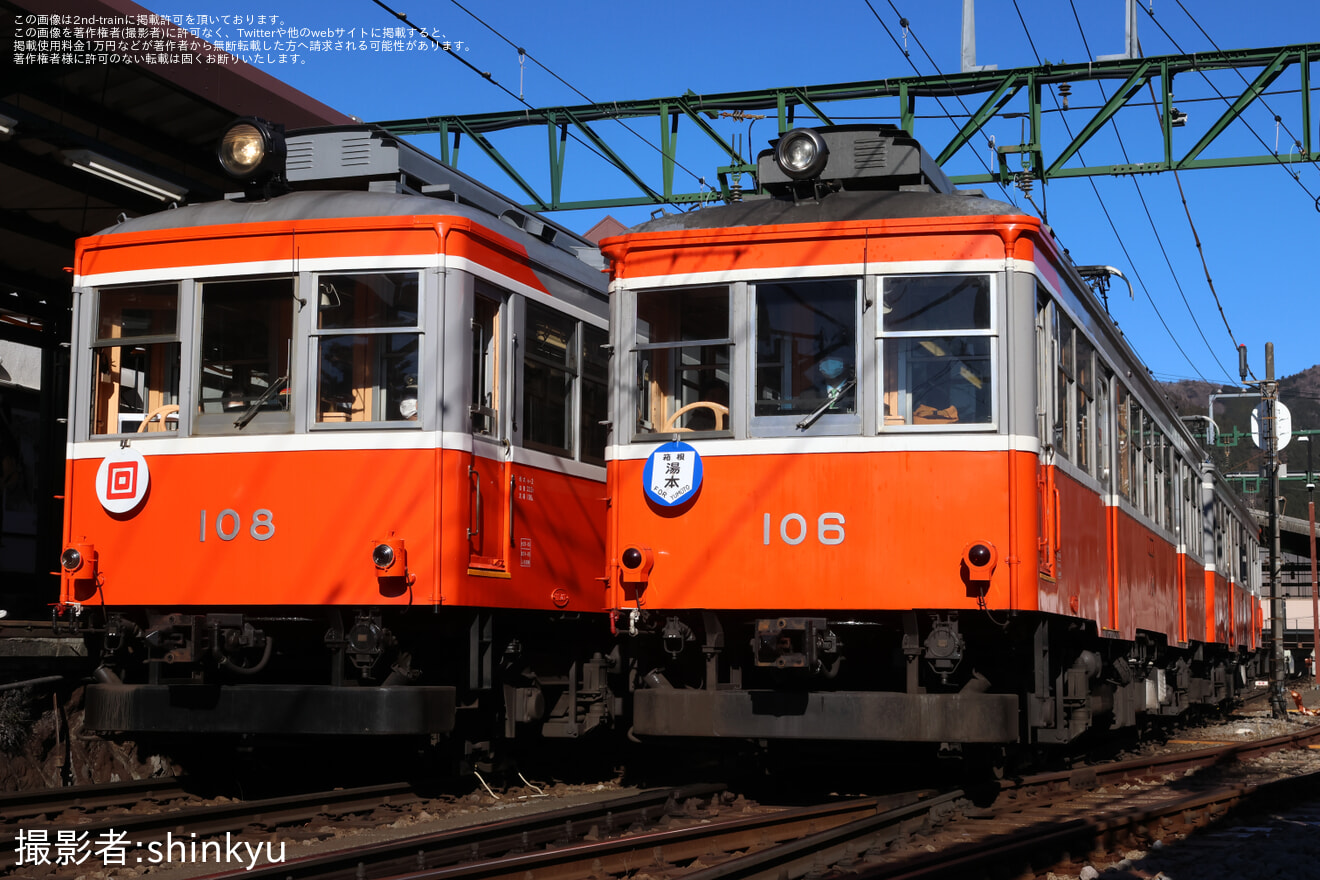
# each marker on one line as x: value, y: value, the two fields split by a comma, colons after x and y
x: 1269, y: 392
x: 1265, y: 430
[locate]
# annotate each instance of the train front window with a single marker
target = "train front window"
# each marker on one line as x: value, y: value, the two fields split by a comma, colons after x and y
x: 246, y: 349
x: 806, y: 351
x: 938, y: 351
x: 367, y: 340
x: 682, y: 357
x: 135, y: 357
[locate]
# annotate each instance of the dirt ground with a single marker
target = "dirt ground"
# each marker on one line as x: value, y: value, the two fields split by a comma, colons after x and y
x: 43, y: 745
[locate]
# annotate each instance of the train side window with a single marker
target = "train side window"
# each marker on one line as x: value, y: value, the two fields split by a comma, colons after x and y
x: 1149, y: 439
x: 1083, y: 408
x: 367, y: 345
x: 681, y: 352
x: 484, y: 407
x: 1166, y: 488
x: 938, y: 355
x: 550, y: 368
x: 135, y: 360
x: 1219, y: 535
x: 1244, y: 566
x: 595, y: 393
x: 246, y: 347
x: 1191, y: 532
x: 1101, y: 420
x: 564, y: 382
x: 1043, y: 362
x: 1067, y: 379
x: 1124, y: 438
x: 1136, y: 455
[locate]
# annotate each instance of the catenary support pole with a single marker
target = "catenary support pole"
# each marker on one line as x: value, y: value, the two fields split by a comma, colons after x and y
x: 1270, y: 392
x: 1315, y: 595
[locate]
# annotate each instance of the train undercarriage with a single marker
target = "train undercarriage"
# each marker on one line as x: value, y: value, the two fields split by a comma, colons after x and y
x: 944, y: 677
x: 475, y: 675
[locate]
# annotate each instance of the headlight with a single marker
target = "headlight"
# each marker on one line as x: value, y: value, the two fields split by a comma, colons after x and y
x: 801, y: 153
x: 71, y: 559
x: 251, y: 148
x: 383, y: 556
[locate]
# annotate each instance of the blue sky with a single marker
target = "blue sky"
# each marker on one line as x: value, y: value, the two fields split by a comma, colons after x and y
x: 1257, y: 226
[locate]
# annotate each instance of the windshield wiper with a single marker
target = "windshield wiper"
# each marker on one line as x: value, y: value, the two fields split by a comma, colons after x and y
x: 835, y: 394
x: 242, y: 421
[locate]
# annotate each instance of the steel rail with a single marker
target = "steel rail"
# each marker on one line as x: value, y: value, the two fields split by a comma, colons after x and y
x: 442, y: 854
x: 480, y: 842
x: 217, y: 818
x: 843, y: 845
x: 22, y: 805
x: 1026, y: 844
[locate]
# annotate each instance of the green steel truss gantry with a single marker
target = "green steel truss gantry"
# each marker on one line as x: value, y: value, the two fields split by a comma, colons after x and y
x: 979, y: 98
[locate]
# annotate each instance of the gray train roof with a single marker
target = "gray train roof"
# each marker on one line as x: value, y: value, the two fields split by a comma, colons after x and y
x: 835, y: 207
x: 323, y: 205
x: 311, y: 205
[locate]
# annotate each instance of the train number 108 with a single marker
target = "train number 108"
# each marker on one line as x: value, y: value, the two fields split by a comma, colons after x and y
x: 229, y: 523
x: 793, y: 529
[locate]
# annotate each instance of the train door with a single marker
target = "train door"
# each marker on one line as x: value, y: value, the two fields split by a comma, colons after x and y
x: 1046, y: 420
x: 1178, y: 510
x: 1104, y: 472
x: 489, y: 468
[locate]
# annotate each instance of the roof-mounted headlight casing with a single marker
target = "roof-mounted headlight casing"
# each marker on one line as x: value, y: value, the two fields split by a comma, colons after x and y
x: 802, y: 154
x: 252, y: 150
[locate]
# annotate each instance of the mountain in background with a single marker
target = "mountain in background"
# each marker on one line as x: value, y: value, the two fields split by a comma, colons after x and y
x: 1234, y: 451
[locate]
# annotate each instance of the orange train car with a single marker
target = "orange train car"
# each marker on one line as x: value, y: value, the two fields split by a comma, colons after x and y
x: 336, y: 459
x: 884, y: 469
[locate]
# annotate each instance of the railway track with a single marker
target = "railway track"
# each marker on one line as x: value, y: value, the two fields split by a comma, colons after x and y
x: 1030, y: 822
x: 171, y: 812
x: 699, y: 832
x: 22, y: 806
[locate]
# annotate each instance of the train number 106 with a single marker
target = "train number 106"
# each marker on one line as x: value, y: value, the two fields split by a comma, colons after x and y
x: 793, y: 529
x: 229, y: 523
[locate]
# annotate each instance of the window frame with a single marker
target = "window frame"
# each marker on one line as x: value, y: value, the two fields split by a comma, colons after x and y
x: 263, y: 422
x: 640, y: 399
x: 827, y: 424
x: 991, y: 332
x: 315, y: 335
x: 577, y: 415
x: 98, y: 344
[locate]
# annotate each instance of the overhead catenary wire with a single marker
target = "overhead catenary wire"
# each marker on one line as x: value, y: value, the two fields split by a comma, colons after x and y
x: 522, y: 52
x: 1105, y: 207
x: 1154, y: 228
x: 1277, y: 117
x: 1158, y: 238
x: 1296, y: 178
x: 1192, y: 224
x: 486, y: 75
x: 908, y: 29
